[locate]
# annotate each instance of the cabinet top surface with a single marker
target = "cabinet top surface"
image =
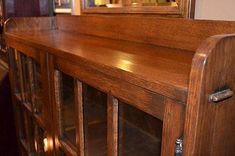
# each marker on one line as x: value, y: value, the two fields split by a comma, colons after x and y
x: 156, y: 68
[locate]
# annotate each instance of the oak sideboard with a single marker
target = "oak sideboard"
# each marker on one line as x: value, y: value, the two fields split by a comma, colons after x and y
x: 98, y: 85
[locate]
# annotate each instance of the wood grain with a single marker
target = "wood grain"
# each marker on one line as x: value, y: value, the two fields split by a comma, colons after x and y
x: 173, y: 126
x: 151, y: 70
x: 145, y: 100
x: 210, y: 128
x: 159, y: 66
x: 174, y: 33
x: 79, y: 115
x: 112, y: 119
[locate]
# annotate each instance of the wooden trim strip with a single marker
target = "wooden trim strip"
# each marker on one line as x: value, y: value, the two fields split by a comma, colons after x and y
x: 20, y: 73
x: 173, y: 126
x: 112, y: 125
x: 31, y: 81
x: 67, y: 149
x: 57, y: 77
x: 79, y: 126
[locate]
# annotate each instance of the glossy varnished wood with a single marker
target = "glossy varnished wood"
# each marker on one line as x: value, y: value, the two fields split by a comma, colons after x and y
x: 79, y: 107
x: 112, y: 138
x: 143, y: 99
x: 173, y: 126
x: 160, y: 69
x: 174, y: 33
x: 212, y: 70
x: 163, y: 67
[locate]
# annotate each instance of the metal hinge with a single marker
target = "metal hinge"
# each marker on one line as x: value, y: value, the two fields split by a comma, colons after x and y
x: 179, y: 147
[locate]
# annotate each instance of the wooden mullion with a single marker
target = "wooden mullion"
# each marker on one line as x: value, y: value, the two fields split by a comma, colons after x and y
x: 38, y: 120
x: 53, y: 98
x: 25, y: 87
x: 79, y: 118
x: 112, y: 126
x: 67, y: 148
x: 21, y: 75
x: 57, y: 79
x: 31, y: 81
x: 173, y: 126
x: 85, y: 120
x: 44, y: 80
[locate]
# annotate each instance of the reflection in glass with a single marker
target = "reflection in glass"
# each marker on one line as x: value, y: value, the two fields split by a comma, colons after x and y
x: 37, y: 87
x: 21, y: 120
x: 16, y: 73
x: 129, y: 3
x: 67, y: 108
x: 61, y: 153
x: 139, y: 132
x: 95, y: 121
x: 39, y: 141
x: 26, y: 80
x: 26, y: 128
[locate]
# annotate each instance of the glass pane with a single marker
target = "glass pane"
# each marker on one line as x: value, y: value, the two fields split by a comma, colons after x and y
x: 67, y: 110
x: 21, y: 122
x: 95, y: 121
x: 23, y: 152
x: 16, y: 72
x: 39, y: 141
x: 61, y: 153
x: 26, y: 80
x: 129, y: 3
x: 26, y: 128
x: 139, y: 133
x: 37, y: 87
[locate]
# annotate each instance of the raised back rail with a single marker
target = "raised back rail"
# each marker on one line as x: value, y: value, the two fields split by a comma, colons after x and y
x: 174, y: 33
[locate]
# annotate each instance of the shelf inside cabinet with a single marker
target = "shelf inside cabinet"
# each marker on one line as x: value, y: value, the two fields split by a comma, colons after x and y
x: 95, y: 121
x: 66, y: 107
x: 140, y: 134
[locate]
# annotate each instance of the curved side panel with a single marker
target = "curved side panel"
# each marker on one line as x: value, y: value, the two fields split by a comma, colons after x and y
x: 209, y: 126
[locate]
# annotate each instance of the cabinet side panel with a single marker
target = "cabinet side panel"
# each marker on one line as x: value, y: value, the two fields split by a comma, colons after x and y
x: 210, y: 126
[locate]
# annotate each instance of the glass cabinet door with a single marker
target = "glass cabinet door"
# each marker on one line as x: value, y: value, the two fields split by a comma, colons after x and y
x: 24, y: 61
x: 139, y: 133
x: 39, y: 138
x: 61, y: 152
x: 84, y: 113
x: 37, y: 87
x: 25, y: 123
x: 82, y: 116
x: 95, y: 121
x: 21, y: 122
x: 15, y: 66
x: 67, y: 108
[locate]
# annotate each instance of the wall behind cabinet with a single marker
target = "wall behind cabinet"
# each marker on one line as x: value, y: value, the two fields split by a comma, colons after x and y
x: 215, y: 9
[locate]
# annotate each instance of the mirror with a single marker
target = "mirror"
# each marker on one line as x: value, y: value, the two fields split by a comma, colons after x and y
x: 129, y: 3
x: 180, y: 8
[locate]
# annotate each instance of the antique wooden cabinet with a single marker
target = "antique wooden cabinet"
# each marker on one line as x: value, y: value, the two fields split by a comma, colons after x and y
x: 123, y: 85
